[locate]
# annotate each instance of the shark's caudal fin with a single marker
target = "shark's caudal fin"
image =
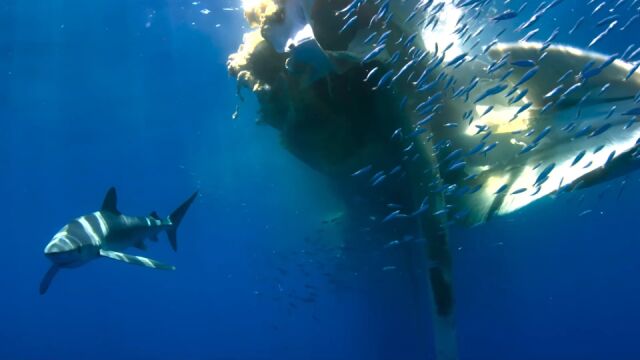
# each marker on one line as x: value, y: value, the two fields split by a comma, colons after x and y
x: 176, y: 217
x: 48, y: 277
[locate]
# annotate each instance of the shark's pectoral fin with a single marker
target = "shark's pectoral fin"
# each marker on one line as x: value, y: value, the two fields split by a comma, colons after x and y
x: 46, y: 280
x: 136, y: 260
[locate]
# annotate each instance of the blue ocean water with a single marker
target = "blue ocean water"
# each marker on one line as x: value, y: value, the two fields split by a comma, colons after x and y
x: 136, y: 95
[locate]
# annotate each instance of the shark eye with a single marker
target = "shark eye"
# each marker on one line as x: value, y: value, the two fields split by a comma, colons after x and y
x: 79, y: 250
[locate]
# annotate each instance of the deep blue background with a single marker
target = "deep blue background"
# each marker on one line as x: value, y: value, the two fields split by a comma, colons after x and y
x: 135, y: 94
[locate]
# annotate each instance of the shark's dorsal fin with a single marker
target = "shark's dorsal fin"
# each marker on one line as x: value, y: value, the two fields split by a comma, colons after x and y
x: 136, y: 260
x: 110, y: 203
x: 154, y: 215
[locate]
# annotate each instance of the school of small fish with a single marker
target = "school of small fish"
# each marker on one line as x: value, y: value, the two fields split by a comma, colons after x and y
x: 506, y: 80
x: 505, y: 113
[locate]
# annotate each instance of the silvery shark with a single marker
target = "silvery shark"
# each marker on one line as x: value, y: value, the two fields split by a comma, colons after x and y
x: 106, y: 233
x: 479, y: 133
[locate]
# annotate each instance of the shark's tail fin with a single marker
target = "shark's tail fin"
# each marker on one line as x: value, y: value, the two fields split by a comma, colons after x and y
x: 176, y: 217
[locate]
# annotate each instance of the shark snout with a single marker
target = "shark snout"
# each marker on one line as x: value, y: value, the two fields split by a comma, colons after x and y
x: 54, y: 247
x: 63, y: 252
x: 60, y: 245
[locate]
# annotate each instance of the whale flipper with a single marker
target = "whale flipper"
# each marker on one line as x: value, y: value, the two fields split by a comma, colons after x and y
x: 136, y: 260
x: 48, y: 277
x: 583, y: 101
x: 558, y: 60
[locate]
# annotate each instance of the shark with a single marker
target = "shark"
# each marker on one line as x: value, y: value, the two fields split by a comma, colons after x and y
x: 106, y: 233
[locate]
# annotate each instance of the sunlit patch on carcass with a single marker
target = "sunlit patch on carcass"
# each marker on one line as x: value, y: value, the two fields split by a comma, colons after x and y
x: 256, y: 11
x: 502, y: 119
x: 443, y: 33
x: 305, y: 34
